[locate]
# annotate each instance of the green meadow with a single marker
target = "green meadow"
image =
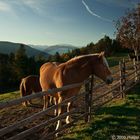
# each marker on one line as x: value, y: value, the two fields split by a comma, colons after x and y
x: 119, y: 118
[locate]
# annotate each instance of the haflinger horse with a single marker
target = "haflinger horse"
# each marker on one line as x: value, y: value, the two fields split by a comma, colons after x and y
x: 29, y: 85
x: 73, y: 71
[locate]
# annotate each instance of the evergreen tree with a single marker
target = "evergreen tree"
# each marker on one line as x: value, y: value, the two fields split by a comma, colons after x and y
x: 5, y: 72
x: 21, y: 62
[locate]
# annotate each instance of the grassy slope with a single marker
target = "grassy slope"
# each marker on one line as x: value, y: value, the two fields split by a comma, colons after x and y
x: 114, y: 60
x: 9, y: 96
x: 120, y: 117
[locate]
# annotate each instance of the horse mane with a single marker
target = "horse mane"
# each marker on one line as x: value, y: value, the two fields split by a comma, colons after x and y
x: 80, y: 57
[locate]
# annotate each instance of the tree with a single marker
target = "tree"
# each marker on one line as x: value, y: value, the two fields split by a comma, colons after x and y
x: 21, y: 62
x: 128, y: 30
x: 57, y: 57
x: 5, y: 72
x: 75, y: 52
x: 104, y: 44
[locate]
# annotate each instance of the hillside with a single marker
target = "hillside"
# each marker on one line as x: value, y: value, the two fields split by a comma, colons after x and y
x: 59, y: 48
x: 10, y: 47
x: 39, y: 47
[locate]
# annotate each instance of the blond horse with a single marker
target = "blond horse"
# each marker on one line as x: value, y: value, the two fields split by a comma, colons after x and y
x: 73, y: 71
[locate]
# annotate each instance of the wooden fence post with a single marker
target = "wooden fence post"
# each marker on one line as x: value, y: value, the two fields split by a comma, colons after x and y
x: 90, y: 96
x: 88, y: 99
x: 122, y: 78
x: 136, y: 70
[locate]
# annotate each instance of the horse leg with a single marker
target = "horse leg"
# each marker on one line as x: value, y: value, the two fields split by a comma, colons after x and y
x: 59, y: 112
x: 45, y: 99
x: 25, y: 104
x: 68, y: 118
x: 55, y: 102
x: 50, y: 100
x: 68, y: 110
x: 29, y: 102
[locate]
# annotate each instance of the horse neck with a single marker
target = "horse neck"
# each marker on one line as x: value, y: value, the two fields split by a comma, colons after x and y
x: 82, y: 67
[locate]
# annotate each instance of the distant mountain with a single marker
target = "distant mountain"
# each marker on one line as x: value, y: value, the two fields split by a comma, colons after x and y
x: 8, y: 47
x: 39, y: 47
x: 59, y: 48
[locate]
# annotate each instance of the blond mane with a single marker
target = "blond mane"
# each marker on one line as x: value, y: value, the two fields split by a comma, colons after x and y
x: 80, y: 57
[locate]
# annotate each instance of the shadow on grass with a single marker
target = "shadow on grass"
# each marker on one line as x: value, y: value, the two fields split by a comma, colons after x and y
x: 123, y: 110
x: 118, y: 119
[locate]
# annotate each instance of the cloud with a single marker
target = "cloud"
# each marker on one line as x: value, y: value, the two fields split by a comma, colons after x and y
x: 33, y: 4
x: 4, y: 7
x: 93, y: 13
x: 16, y: 6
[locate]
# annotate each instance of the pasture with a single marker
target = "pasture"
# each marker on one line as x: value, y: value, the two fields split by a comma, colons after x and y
x: 120, y: 115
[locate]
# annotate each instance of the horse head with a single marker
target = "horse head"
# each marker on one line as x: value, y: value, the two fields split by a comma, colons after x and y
x: 101, y: 68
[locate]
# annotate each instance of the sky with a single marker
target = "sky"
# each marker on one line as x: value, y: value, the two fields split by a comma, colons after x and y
x: 50, y: 22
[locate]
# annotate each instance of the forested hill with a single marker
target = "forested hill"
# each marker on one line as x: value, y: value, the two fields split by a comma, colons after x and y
x: 10, y: 47
x: 60, y: 49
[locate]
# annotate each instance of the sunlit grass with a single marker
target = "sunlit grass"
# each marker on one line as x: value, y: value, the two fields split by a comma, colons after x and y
x: 9, y: 96
x: 119, y: 117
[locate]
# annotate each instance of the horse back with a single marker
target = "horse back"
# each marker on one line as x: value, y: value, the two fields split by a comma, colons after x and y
x: 29, y: 84
x: 47, y: 72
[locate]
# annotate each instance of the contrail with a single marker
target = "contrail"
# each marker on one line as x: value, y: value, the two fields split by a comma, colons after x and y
x: 94, y: 14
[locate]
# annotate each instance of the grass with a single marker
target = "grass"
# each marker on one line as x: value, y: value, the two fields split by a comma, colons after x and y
x: 9, y: 96
x: 114, y: 60
x: 119, y: 118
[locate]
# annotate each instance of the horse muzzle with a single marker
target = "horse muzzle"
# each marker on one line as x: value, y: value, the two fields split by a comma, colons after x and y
x: 109, y: 80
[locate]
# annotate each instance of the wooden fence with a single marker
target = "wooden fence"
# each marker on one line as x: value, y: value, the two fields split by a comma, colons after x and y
x: 87, y: 102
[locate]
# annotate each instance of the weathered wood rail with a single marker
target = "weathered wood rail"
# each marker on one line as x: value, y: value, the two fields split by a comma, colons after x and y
x: 129, y: 75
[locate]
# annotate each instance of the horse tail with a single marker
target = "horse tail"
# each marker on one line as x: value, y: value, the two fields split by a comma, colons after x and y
x: 22, y: 89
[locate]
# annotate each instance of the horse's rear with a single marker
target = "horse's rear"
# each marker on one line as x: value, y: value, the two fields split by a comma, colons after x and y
x: 29, y: 85
x: 47, y: 72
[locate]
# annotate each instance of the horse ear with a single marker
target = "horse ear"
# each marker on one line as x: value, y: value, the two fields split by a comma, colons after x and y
x: 101, y: 54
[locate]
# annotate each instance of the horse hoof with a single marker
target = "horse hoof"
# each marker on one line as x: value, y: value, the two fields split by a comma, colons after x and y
x: 44, y: 108
x: 25, y: 104
x: 56, y: 135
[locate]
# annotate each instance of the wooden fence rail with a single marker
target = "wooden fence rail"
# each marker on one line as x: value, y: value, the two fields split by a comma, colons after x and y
x: 36, y: 115
x: 38, y: 95
x: 127, y: 77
